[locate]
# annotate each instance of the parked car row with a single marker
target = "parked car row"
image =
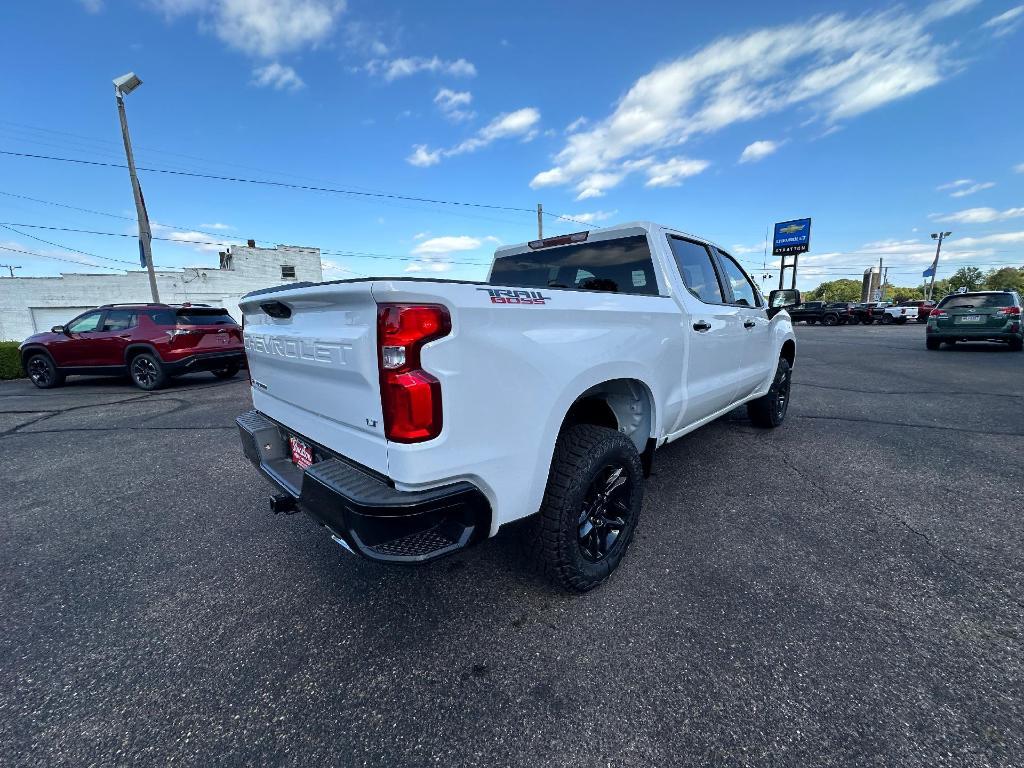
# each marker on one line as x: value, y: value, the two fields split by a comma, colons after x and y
x: 849, y: 313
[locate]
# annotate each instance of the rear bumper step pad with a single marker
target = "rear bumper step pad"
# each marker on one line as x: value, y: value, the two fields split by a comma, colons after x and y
x: 361, y: 509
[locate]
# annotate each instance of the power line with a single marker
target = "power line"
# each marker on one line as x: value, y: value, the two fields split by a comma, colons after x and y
x: 324, y: 251
x: 57, y: 258
x: 287, y: 185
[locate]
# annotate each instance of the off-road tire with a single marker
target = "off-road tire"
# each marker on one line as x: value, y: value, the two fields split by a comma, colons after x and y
x: 582, y: 453
x: 227, y: 372
x: 769, y: 410
x: 43, y: 372
x: 932, y: 344
x: 147, y: 371
x: 830, y: 320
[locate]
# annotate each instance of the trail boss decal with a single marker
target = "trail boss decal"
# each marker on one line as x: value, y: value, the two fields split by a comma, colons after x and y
x: 509, y: 296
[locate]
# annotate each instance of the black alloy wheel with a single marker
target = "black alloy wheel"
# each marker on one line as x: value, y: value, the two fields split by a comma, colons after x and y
x: 42, y: 372
x: 605, y: 512
x: 147, y: 372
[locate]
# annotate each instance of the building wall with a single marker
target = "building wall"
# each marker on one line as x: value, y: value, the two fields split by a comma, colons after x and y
x: 29, y: 304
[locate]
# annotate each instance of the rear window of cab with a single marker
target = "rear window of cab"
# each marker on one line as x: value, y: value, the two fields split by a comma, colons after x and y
x: 622, y: 265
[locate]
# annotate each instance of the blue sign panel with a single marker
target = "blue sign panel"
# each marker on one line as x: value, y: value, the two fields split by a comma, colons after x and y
x: 792, y: 237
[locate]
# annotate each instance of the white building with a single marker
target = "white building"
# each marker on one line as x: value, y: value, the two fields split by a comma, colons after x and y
x: 32, y: 304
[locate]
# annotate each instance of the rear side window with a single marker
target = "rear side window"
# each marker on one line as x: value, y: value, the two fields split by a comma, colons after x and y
x: 697, y: 270
x: 119, y: 320
x: 205, y: 317
x: 622, y: 265
x: 977, y: 301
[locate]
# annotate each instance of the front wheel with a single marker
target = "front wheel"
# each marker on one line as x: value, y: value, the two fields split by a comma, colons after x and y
x: 591, y: 506
x: 147, y: 372
x: 227, y: 372
x: 43, y: 372
x: 769, y: 410
x: 887, y: 319
x: 932, y: 344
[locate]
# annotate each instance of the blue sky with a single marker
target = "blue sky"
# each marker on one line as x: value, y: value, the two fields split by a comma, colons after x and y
x: 882, y: 123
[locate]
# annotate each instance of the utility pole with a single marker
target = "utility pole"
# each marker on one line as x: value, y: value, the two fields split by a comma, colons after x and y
x: 122, y: 87
x: 540, y: 221
x: 10, y: 268
x: 885, y: 281
x: 940, y: 236
x: 879, y: 278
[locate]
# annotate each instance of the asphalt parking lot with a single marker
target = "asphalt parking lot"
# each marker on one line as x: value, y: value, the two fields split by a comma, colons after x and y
x: 846, y: 590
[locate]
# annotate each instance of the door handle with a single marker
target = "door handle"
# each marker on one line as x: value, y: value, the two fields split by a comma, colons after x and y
x: 125, y: 336
x: 749, y: 323
x: 702, y: 326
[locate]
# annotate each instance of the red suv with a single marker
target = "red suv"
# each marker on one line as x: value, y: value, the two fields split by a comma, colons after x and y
x: 149, y: 342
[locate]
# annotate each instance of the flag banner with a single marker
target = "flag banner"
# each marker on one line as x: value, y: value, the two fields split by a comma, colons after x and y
x: 929, y: 272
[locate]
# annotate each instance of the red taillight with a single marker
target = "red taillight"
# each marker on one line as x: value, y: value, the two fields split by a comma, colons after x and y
x: 938, y: 313
x: 411, y: 397
x: 1010, y: 311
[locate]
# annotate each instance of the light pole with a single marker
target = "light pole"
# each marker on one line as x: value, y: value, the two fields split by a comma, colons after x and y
x: 122, y: 87
x: 939, y: 236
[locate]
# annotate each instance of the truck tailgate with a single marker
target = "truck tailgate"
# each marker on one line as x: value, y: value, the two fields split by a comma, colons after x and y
x: 314, y: 365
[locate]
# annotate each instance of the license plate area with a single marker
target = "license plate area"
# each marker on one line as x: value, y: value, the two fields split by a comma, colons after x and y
x: 970, y: 319
x: 301, y: 453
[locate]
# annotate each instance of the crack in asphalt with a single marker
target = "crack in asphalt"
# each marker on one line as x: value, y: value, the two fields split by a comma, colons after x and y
x: 913, y: 392
x: 133, y: 399
x: 913, y: 426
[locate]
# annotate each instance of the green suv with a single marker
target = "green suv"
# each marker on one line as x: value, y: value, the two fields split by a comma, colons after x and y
x: 977, y: 316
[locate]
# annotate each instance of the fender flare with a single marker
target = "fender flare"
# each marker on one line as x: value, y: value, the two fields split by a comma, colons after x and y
x: 140, y: 346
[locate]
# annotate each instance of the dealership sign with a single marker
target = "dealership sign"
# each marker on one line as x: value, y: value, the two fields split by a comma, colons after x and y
x: 792, y: 237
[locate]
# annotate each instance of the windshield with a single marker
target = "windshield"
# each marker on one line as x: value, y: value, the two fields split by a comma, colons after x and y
x: 977, y: 301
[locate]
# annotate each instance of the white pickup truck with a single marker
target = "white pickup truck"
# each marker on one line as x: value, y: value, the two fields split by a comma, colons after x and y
x: 414, y: 417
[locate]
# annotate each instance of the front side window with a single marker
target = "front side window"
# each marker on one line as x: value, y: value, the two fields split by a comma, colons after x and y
x: 622, y: 265
x: 697, y: 270
x: 85, y: 323
x: 119, y: 320
x: 743, y: 291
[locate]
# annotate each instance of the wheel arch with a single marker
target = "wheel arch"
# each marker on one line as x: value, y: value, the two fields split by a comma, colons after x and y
x: 623, y: 404
x: 26, y: 352
x: 138, y: 348
x: 788, y: 352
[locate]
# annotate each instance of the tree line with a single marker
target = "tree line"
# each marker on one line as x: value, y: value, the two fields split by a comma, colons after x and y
x: 971, y: 278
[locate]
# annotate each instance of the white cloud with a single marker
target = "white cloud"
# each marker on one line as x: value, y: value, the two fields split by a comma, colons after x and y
x: 576, y: 124
x: 965, y: 191
x: 758, y: 150
x: 1005, y: 23
x: 197, y: 240
x: 519, y: 124
x: 393, y: 69
x: 837, y: 66
x: 453, y: 104
x: 965, y: 187
x: 1000, y: 238
x: 740, y: 250
x: 1018, y: 168
x: 447, y: 244
x: 277, y: 76
x: 216, y: 225
x: 672, y: 172
x: 422, y: 157
x: 92, y: 6
x: 979, y: 215
x: 261, y: 27
x: 593, y: 216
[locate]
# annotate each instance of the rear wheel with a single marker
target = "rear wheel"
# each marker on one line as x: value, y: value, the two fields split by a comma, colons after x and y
x: 868, y: 320
x: 769, y: 410
x: 227, y: 372
x: 147, y: 372
x: 888, y: 319
x: 830, y: 320
x: 932, y: 343
x: 811, y: 322
x: 591, y: 506
x: 42, y: 371
x: 1017, y: 345
x: 950, y: 343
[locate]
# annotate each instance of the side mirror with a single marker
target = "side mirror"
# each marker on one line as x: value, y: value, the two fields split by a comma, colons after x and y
x: 57, y: 329
x: 781, y: 299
